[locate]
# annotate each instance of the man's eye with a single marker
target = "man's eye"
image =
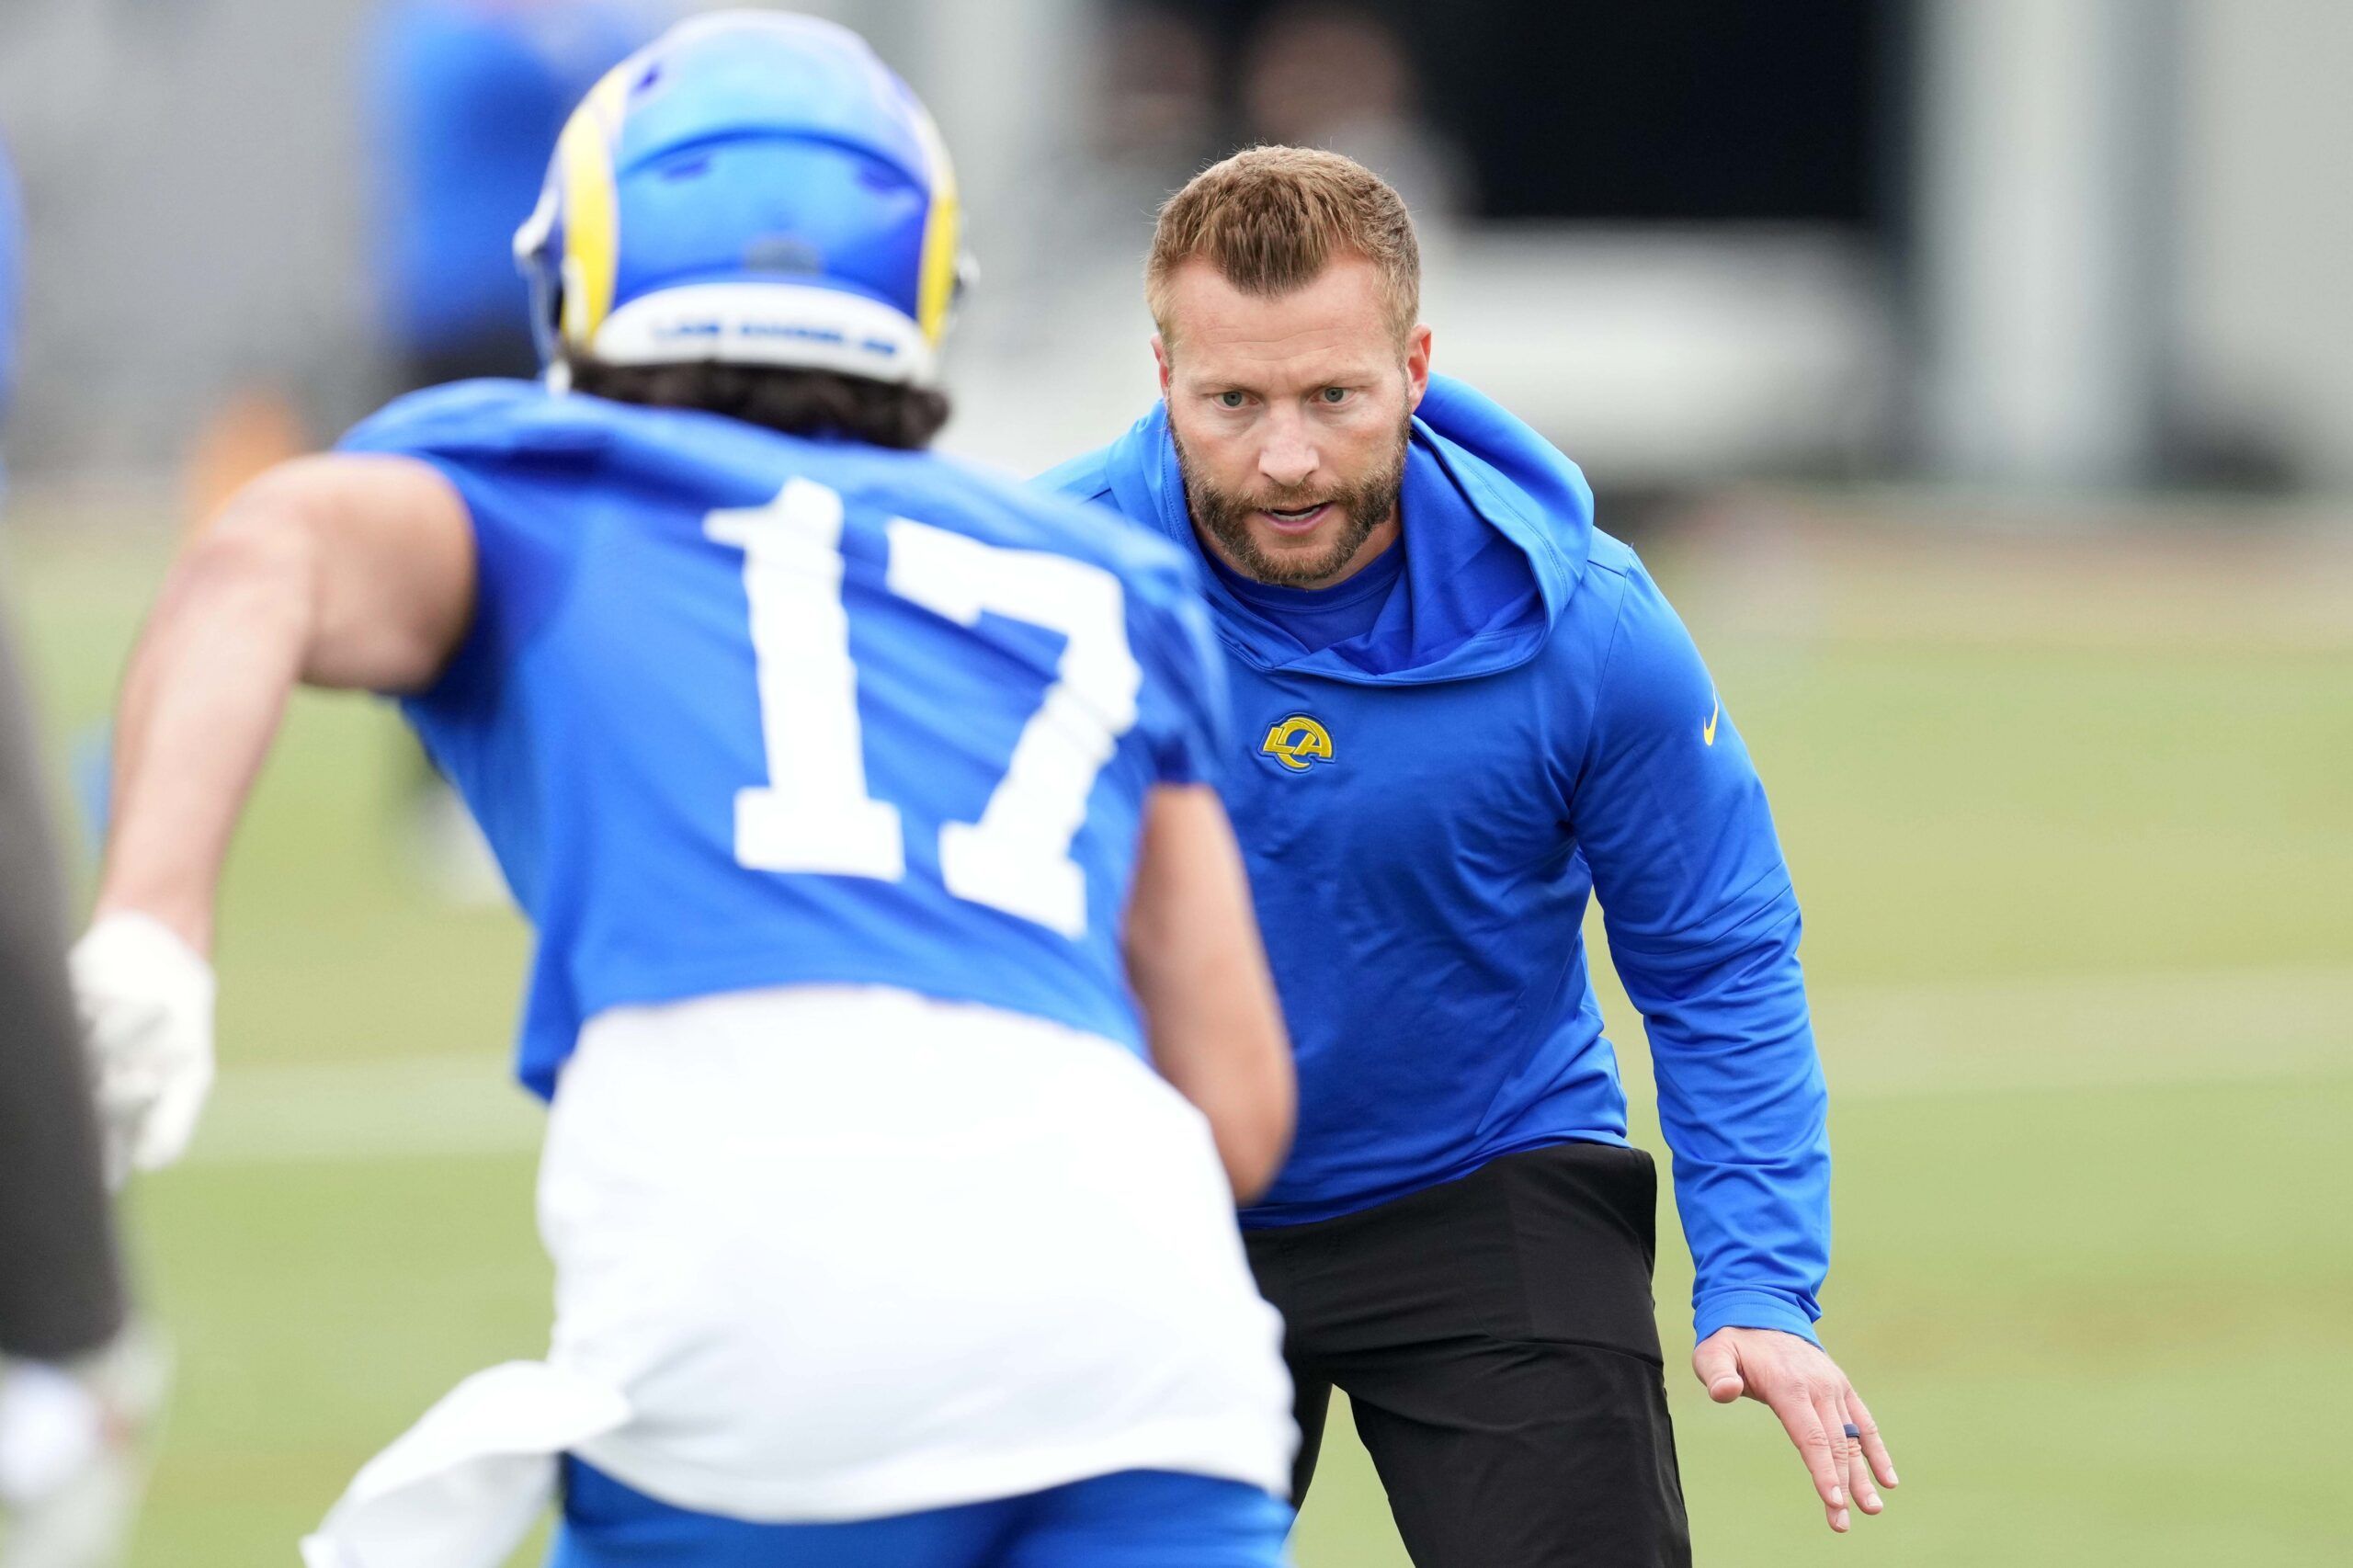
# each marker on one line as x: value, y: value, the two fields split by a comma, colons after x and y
x: 1334, y: 395
x: 1228, y: 399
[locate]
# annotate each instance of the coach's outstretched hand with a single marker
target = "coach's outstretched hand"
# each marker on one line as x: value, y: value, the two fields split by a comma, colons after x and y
x: 145, y: 997
x: 1799, y: 1382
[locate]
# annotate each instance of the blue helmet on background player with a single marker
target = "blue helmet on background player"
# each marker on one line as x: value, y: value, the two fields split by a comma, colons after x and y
x: 753, y: 189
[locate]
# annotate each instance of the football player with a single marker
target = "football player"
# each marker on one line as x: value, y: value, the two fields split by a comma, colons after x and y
x: 860, y: 802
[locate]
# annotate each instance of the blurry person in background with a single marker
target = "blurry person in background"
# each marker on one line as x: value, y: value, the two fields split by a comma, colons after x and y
x: 1323, y: 75
x: 76, y: 1383
x: 1152, y: 118
x: 1147, y: 117
x: 1153, y: 107
x: 465, y: 99
x: 1467, y: 712
x: 462, y: 100
x: 895, y: 988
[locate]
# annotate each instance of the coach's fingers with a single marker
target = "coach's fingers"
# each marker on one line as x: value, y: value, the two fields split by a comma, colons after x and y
x: 1802, y: 1422
x: 1845, y: 1458
x: 1859, y: 1482
x: 1717, y: 1364
x: 1882, y: 1462
x: 1853, y: 1465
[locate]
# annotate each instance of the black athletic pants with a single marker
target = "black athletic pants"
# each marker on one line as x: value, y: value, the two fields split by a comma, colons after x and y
x: 1495, y: 1337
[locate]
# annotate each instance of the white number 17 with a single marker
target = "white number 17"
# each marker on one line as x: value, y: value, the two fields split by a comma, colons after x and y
x: 814, y: 813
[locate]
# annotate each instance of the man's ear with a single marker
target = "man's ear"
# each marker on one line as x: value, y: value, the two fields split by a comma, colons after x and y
x: 1160, y: 361
x: 1417, y: 365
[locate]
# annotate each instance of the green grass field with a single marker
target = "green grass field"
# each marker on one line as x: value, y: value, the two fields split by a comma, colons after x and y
x: 2079, y: 882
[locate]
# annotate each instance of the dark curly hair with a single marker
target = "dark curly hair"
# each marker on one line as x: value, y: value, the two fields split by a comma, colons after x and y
x: 799, y: 402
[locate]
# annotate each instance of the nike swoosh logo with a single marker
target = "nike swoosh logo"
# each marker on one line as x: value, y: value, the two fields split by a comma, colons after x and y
x: 1708, y: 735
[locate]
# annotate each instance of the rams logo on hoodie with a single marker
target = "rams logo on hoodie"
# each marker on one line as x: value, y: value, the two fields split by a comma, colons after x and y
x: 1298, y: 742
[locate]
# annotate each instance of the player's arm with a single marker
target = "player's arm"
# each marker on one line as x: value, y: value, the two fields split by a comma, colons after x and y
x: 346, y: 571
x: 1199, y: 973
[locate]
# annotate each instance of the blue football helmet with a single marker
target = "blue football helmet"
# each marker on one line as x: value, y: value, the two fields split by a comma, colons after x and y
x: 752, y: 187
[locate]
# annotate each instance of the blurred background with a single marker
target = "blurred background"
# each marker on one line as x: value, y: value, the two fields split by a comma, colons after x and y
x: 1977, y: 375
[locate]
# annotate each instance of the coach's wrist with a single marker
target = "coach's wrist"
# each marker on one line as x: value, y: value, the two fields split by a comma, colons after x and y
x: 1751, y: 1307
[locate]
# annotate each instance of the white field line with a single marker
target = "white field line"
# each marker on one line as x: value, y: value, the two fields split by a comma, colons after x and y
x: 2082, y: 1032
x: 1962, y: 1037
x: 403, y: 1107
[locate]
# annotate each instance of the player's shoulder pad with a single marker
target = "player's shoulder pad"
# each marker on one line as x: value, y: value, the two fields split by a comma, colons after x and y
x: 1079, y: 524
x: 485, y: 419
x: 1088, y: 477
x: 1085, y: 480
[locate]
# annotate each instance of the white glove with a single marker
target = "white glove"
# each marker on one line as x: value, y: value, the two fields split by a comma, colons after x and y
x: 146, y: 1002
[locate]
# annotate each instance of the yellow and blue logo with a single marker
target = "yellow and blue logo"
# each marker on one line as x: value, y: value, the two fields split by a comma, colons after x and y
x: 1298, y: 743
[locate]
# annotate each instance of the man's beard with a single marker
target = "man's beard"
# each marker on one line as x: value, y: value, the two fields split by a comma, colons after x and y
x: 1367, y: 502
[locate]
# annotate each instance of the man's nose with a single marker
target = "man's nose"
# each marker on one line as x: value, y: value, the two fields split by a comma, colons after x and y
x: 1288, y: 457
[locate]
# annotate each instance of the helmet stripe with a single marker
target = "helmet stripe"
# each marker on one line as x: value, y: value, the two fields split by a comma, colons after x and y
x: 591, y: 208
x: 941, y: 237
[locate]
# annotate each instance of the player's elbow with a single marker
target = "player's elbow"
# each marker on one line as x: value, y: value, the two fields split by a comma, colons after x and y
x: 1256, y: 1143
x: 255, y: 563
x: 1240, y: 1078
x: 1234, y: 1065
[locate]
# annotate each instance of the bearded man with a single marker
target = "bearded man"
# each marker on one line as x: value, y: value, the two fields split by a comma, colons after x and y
x: 1468, y: 711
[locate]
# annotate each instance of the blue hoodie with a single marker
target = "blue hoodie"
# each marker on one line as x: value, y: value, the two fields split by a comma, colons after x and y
x: 1425, y: 808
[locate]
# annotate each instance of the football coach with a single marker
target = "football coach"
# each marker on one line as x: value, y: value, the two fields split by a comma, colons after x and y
x: 1466, y: 710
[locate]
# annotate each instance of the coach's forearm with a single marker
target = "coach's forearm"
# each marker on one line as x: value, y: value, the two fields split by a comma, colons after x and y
x: 1743, y: 1105
x: 200, y: 705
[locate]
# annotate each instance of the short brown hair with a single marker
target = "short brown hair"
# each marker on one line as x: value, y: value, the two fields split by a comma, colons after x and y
x: 1270, y: 218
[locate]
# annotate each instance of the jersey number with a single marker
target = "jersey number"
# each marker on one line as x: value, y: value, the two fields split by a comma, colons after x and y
x: 814, y: 813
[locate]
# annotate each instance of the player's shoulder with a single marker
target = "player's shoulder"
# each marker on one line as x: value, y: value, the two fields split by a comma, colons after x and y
x: 1070, y: 524
x: 487, y: 419
x: 1086, y: 477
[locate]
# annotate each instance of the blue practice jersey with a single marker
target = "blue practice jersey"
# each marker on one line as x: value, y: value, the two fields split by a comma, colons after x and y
x: 741, y: 709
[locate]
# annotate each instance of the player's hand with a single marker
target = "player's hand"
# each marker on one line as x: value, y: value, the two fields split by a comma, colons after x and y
x: 70, y: 1452
x: 1799, y: 1382
x: 145, y: 998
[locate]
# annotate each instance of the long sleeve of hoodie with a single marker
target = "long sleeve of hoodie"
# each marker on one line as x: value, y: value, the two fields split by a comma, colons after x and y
x: 1703, y: 929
